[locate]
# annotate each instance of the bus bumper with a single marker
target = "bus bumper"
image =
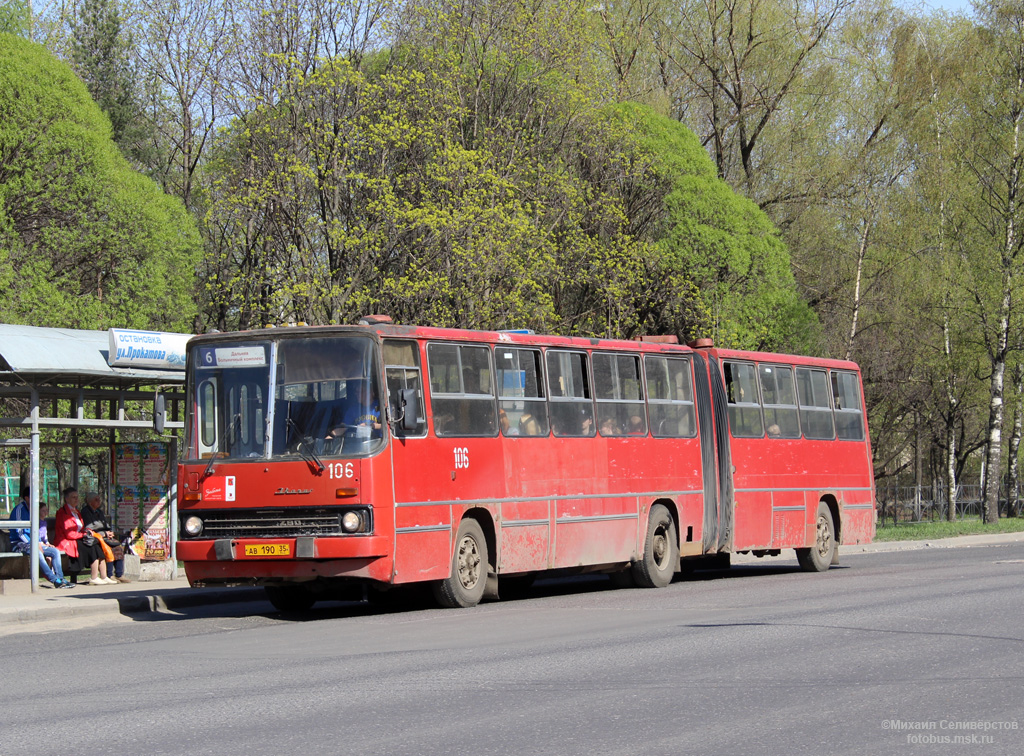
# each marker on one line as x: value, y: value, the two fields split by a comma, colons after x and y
x: 227, y: 561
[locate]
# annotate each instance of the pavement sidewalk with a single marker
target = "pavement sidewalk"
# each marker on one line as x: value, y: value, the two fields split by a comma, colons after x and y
x: 175, y: 594
x: 133, y: 598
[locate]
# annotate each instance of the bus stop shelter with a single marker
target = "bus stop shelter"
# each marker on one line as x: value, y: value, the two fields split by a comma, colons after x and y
x: 85, y: 381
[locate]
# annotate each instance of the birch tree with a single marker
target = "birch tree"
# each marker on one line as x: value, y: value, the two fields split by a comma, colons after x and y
x: 993, y: 148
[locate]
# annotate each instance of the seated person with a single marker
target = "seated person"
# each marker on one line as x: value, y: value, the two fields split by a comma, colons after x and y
x: 21, y: 542
x: 78, y: 542
x: 362, y: 412
x: 506, y: 424
x: 95, y: 519
x: 528, y: 425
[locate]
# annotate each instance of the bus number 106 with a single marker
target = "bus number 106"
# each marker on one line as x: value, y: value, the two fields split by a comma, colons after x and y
x: 341, y: 470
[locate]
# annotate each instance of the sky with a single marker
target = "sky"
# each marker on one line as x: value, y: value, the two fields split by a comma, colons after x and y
x: 963, y: 6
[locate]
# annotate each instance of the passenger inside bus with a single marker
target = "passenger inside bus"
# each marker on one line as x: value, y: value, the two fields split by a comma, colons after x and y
x: 528, y: 425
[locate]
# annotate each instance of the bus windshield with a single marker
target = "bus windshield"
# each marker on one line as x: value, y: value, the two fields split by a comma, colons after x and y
x: 325, y: 399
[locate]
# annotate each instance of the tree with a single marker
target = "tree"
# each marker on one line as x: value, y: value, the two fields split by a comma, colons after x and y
x: 102, y: 55
x: 84, y: 240
x: 731, y: 68
x: 717, y: 245
x: 15, y: 17
x: 992, y: 146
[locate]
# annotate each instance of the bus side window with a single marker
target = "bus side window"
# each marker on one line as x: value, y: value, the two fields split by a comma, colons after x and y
x: 402, y: 370
x: 572, y: 410
x: 815, y: 409
x: 620, y: 404
x: 781, y: 414
x: 670, y: 397
x: 744, y: 403
x: 849, y: 415
x: 462, y: 390
x: 522, y: 410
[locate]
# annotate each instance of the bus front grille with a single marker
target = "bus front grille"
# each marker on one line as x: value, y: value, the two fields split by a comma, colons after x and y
x: 271, y: 523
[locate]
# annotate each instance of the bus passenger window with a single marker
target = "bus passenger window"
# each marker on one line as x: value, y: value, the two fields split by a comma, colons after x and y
x: 670, y: 397
x: 572, y: 411
x: 848, y: 412
x: 744, y: 403
x: 781, y: 414
x: 815, y: 409
x: 620, y: 405
x: 462, y: 393
x: 521, y: 392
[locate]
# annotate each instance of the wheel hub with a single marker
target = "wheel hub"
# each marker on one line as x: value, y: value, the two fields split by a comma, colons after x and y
x: 824, y: 540
x: 469, y: 563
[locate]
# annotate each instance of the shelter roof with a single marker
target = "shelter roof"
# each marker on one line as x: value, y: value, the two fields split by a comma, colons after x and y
x: 36, y: 355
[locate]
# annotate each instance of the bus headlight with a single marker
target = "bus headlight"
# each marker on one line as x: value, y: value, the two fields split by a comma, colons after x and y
x: 351, y: 522
x: 193, y: 525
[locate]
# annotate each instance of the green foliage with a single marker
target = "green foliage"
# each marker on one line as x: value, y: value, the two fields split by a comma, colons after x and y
x: 84, y: 241
x: 921, y: 531
x: 15, y: 17
x: 724, y: 246
x: 101, y: 53
x: 474, y: 177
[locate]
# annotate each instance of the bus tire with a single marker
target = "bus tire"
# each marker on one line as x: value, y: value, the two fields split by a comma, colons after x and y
x: 660, y: 559
x: 465, y: 586
x: 819, y: 556
x: 290, y: 598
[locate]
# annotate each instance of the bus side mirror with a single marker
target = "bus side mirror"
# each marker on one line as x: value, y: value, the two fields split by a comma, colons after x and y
x: 159, y: 413
x: 404, y: 401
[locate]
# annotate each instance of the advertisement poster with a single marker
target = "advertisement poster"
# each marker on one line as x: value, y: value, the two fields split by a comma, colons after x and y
x: 142, y: 482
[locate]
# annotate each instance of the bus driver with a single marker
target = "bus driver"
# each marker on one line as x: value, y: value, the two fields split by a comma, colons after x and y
x: 363, y: 409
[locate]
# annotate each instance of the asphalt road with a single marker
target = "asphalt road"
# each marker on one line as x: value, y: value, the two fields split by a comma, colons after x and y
x: 762, y: 659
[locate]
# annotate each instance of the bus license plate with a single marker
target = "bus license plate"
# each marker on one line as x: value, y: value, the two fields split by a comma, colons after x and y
x: 268, y: 549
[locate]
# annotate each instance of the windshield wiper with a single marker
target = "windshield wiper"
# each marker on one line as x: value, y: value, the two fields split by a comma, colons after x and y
x: 209, y: 466
x: 305, y: 448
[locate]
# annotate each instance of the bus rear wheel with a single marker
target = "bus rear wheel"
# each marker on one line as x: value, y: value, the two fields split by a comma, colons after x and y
x: 290, y: 598
x: 661, y: 551
x: 465, y: 586
x: 819, y: 556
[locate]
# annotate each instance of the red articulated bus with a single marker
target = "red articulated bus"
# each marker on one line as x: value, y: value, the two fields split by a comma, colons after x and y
x: 321, y: 457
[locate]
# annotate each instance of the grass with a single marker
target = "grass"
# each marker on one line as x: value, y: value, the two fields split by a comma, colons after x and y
x: 922, y: 531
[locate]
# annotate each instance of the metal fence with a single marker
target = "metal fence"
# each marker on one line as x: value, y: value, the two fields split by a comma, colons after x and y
x: 897, y: 504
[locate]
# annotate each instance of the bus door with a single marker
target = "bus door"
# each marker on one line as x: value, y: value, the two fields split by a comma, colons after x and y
x: 422, y: 528
x: 715, y: 456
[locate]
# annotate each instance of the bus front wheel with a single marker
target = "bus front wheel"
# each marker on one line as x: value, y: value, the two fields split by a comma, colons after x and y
x: 661, y: 551
x: 465, y: 586
x: 819, y: 556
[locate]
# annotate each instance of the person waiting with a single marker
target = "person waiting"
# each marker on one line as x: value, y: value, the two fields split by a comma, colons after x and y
x: 78, y: 543
x: 21, y: 542
x: 96, y: 520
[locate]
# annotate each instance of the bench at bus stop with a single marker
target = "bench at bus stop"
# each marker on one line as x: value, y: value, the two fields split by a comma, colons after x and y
x: 17, y: 566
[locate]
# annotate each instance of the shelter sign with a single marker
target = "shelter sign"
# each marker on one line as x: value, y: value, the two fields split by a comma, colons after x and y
x: 142, y: 484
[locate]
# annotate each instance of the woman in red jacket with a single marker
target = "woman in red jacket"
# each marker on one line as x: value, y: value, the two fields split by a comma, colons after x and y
x: 78, y: 543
